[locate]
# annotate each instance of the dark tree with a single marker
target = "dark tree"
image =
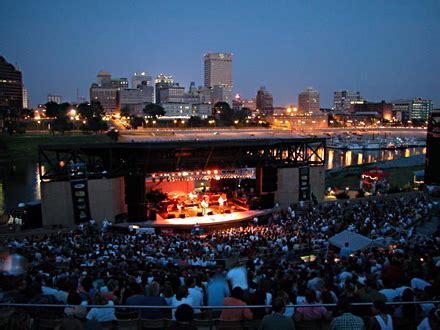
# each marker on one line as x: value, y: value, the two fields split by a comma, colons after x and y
x: 52, y: 109
x: 154, y: 110
x: 135, y: 121
x: 195, y: 121
x: 125, y: 111
x: 223, y: 111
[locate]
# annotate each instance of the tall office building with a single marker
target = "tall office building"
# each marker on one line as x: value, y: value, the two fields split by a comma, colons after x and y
x: 308, y: 101
x: 218, y: 69
x: 342, y: 100
x: 25, y: 98
x: 161, y: 82
x: 54, y: 98
x: 11, y: 86
x: 264, y: 101
x: 419, y: 109
x: 401, y: 109
x: 106, y: 91
x: 141, y: 78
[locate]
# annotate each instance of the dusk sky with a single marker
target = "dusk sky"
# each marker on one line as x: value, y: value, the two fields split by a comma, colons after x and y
x: 386, y: 49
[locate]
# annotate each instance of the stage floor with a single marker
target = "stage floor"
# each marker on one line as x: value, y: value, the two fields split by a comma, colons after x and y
x: 202, y: 221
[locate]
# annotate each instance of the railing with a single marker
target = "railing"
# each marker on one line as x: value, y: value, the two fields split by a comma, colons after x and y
x: 209, y: 318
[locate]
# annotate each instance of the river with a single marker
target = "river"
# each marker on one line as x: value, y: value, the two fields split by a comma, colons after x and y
x: 19, y: 180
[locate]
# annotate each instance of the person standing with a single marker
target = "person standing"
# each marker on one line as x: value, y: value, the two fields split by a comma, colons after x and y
x: 277, y: 320
x: 382, y: 320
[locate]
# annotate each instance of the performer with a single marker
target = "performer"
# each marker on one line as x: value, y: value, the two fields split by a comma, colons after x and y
x: 204, y: 204
x: 192, y: 196
x: 221, y: 203
x: 180, y: 207
x: 169, y: 208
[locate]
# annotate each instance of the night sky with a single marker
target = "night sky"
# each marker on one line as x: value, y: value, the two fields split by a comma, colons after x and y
x: 386, y: 49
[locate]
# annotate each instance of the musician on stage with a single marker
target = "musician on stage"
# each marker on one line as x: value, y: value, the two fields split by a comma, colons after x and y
x: 221, y: 203
x: 205, y: 204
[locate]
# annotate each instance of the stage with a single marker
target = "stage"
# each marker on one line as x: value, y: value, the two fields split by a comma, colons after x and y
x: 189, y: 223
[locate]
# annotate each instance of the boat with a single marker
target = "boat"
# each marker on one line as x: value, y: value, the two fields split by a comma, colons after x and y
x: 372, y: 146
x: 354, y: 146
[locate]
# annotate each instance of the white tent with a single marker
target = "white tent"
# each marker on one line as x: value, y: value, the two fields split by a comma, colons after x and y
x: 356, y: 241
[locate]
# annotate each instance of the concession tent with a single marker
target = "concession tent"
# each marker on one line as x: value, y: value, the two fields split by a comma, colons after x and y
x: 356, y: 241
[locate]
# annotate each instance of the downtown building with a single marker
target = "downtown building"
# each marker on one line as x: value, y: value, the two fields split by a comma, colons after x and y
x: 218, y: 76
x: 417, y: 109
x: 264, y: 101
x: 309, y: 101
x: 107, y: 91
x: 54, y: 98
x: 342, y: 100
x: 11, y: 86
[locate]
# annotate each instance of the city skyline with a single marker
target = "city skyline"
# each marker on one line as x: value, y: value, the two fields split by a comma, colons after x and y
x: 367, y: 47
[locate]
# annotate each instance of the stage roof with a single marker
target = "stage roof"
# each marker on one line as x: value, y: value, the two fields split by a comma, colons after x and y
x: 145, y: 154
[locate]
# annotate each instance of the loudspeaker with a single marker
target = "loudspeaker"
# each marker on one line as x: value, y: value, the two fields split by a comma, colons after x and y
x: 270, y: 179
x: 182, y: 216
x: 304, y: 183
x: 199, y: 214
x: 171, y: 215
x: 210, y: 213
x: 227, y: 211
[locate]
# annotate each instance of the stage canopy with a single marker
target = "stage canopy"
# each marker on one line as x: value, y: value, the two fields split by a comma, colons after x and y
x: 356, y: 241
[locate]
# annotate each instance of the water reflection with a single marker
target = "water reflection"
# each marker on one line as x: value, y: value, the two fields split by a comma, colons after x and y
x: 19, y: 182
x: 337, y: 158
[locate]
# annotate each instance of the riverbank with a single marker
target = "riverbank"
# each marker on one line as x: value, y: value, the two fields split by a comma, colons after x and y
x: 25, y: 147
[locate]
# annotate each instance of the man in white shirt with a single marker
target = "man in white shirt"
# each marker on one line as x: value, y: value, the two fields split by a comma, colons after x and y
x: 237, y: 276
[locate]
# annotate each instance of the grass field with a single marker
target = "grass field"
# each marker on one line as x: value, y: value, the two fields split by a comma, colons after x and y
x: 350, y: 176
x: 25, y: 146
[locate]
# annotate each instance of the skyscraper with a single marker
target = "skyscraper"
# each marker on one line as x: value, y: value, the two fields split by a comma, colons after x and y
x: 141, y: 78
x: 308, y: 101
x: 11, y: 86
x: 342, y: 100
x: 106, y: 91
x: 419, y: 109
x: 54, y: 98
x: 25, y: 98
x: 218, y: 69
x: 264, y: 101
x: 161, y: 82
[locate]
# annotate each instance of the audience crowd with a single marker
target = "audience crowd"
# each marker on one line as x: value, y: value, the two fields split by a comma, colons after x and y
x: 93, y: 265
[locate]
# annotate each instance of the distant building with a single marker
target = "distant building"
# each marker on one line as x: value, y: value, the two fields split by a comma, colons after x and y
x: 218, y: 76
x: 202, y: 110
x: 161, y: 82
x: 54, y: 98
x: 218, y: 69
x: 221, y: 93
x: 177, y: 110
x: 342, y: 100
x: 120, y: 83
x: 419, y: 109
x: 401, y: 110
x: 11, y: 86
x: 171, y: 94
x: 25, y: 98
x: 141, y: 78
x: 205, y: 94
x: 380, y: 110
x: 135, y: 99
x: 107, y: 91
x: 264, y: 101
x: 309, y: 101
